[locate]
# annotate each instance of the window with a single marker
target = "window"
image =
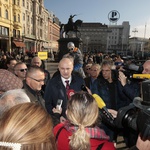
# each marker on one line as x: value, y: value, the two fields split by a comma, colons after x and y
x: 14, y: 18
x: 40, y: 11
x: 28, y: 19
x: 23, y: 29
x: 18, y: 33
x: 31, y: 7
x: 0, y: 12
x: 24, y: 17
x: 4, y: 31
x: 37, y: 9
x: 32, y: 30
x: 14, y: 33
x: 28, y: 32
x: 41, y: 22
x: 6, y: 14
x: 23, y: 3
x: 27, y: 5
x: 18, y: 2
x: 14, y: 2
x: 18, y: 18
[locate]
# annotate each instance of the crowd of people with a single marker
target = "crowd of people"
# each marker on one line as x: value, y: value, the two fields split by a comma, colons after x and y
x: 32, y: 119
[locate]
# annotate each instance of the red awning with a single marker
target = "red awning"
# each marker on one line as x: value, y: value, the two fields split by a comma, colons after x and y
x: 19, y: 44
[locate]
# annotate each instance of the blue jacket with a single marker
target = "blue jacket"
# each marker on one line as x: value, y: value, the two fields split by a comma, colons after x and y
x: 123, y: 95
x: 91, y: 85
x: 56, y: 90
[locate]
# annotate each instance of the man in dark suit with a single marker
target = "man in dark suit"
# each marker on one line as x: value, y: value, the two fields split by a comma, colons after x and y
x: 56, y: 87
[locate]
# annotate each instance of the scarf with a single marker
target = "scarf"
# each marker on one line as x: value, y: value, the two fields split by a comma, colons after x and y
x: 94, y: 132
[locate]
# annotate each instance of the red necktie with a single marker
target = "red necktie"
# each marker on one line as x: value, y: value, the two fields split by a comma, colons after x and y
x: 67, y: 85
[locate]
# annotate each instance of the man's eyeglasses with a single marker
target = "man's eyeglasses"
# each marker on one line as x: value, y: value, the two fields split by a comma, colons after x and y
x: 40, y: 80
x: 22, y: 70
x: 105, y: 70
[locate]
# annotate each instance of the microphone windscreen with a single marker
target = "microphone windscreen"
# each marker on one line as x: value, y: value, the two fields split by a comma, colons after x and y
x: 141, y: 76
x: 70, y: 92
x: 99, y: 101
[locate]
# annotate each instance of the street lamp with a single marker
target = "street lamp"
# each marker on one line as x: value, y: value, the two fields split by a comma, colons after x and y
x: 107, y: 44
x: 122, y: 43
x: 135, y: 30
x: 87, y: 42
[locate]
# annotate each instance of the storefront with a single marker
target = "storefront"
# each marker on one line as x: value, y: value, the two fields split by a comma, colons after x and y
x: 18, y: 46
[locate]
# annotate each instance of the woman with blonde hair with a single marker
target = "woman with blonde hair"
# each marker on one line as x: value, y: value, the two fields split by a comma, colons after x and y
x: 26, y: 126
x: 80, y: 131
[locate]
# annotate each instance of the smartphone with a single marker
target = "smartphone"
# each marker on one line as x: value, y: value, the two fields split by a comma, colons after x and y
x: 59, y: 104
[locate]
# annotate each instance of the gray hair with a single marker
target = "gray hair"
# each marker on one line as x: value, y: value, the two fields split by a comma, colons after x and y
x: 71, y: 58
x: 12, y: 98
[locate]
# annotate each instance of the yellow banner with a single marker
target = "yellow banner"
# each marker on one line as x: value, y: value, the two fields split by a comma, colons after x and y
x: 43, y: 55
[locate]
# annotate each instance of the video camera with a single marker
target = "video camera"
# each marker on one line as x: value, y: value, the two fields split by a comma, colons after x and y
x: 131, y: 69
x: 137, y: 115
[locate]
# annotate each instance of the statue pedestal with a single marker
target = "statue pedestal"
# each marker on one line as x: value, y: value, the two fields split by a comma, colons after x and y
x: 63, y: 45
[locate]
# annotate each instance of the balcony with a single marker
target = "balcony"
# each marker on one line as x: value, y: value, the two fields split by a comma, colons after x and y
x: 15, y: 7
x: 17, y: 25
x: 29, y: 36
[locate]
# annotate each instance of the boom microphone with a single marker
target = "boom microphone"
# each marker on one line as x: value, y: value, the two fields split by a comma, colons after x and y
x: 102, y: 106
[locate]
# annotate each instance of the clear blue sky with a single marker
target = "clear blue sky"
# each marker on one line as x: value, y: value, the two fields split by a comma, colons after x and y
x: 137, y: 12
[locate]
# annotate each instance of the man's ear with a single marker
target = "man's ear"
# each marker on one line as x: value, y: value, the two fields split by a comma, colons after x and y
x: 66, y: 112
x: 27, y: 79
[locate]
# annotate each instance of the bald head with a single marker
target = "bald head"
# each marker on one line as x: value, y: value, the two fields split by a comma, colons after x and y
x: 36, y: 61
x: 66, y: 67
x: 146, y: 67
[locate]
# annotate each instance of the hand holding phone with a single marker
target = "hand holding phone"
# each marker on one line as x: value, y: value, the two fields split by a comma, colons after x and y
x: 59, y: 104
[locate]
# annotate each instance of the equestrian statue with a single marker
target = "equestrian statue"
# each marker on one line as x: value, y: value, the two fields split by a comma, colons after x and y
x: 70, y: 26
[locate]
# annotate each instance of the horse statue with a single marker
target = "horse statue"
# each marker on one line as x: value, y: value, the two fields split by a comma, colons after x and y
x: 66, y: 28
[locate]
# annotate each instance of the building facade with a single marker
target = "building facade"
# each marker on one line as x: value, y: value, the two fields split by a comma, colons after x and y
x: 94, y: 37
x: 10, y: 25
x: 54, y: 32
x: 99, y: 37
x: 138, y: 46
x: 35, y: 25
x: 26, y: 26
x: 118, y: 38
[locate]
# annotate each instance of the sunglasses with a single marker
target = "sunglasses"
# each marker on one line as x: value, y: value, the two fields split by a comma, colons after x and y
x: 88, y: 68
x: 71, y: 49
x: 22, y: 70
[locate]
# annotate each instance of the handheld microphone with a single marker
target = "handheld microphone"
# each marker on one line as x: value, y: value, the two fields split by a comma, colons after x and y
x: 70, y: 92
x: 102, y: 106
x: 141, y: 76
